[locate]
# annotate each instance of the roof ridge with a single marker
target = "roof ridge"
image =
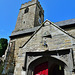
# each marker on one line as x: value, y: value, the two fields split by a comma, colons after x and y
x: 62, y: 30
x: 40, y: 28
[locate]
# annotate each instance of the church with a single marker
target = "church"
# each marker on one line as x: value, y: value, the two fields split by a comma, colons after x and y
x: 39, y: 47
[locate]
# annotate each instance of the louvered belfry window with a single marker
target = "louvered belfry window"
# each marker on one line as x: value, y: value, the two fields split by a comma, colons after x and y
x: 26, y: 10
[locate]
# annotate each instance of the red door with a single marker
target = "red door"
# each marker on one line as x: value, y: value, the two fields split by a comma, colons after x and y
x: 41, y: 69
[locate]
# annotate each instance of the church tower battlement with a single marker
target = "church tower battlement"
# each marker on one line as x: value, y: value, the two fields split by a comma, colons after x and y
x: 31, y: 14
x: 27, y: 4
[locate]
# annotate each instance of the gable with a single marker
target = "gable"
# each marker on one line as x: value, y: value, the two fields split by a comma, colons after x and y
x: 48, y: 37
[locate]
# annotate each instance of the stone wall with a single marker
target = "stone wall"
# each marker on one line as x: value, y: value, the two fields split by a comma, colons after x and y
x: 71, y: 31
x: 19, y: 42
x: 25, y: 21
x: 13, y: 56
x: 37, y: 17
x: 58, y: 41
x: 31, y: 18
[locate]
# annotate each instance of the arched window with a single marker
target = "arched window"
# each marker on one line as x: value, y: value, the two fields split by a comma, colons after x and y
x: 26, y: 10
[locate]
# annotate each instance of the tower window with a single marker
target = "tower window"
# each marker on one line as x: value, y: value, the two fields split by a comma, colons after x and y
x: 26, y: 10
x: 40, y: 13
x: 39, y: 20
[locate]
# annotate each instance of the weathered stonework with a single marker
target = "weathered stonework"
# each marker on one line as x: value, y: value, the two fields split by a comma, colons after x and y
x: 18, y: 43
x: 53, y: 43
x: 58, y: 40
x: 31, y: 18
x: 32, y: 43
x: 71, y: 31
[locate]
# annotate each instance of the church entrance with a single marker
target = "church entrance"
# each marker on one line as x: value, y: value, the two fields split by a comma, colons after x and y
x: 56, y: 70
x: 43, y: 69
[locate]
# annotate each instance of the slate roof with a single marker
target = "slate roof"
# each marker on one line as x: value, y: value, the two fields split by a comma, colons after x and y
x: 25, y: 31
x: 61, y: 24
x: 42, y: 26
x: 66, y: 22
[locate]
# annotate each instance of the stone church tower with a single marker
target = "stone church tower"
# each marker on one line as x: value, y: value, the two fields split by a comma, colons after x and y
x: 31, y: 14
x: 40, y: 48
x: 30, y: 17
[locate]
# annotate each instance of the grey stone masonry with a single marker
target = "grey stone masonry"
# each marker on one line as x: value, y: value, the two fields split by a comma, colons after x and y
x: 30, y: 15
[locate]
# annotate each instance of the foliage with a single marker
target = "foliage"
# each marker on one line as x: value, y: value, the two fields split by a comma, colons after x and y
x: 3, y: 45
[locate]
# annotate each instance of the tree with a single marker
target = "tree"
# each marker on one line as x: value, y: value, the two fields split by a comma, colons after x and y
x: 3, y: 45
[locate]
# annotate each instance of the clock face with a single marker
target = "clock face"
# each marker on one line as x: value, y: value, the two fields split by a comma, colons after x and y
x: 40, y: 20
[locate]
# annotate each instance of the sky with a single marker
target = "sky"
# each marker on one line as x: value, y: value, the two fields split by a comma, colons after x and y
x: 54, y: 10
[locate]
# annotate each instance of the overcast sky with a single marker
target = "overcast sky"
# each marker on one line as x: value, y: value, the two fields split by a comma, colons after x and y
x: 54, y: 10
